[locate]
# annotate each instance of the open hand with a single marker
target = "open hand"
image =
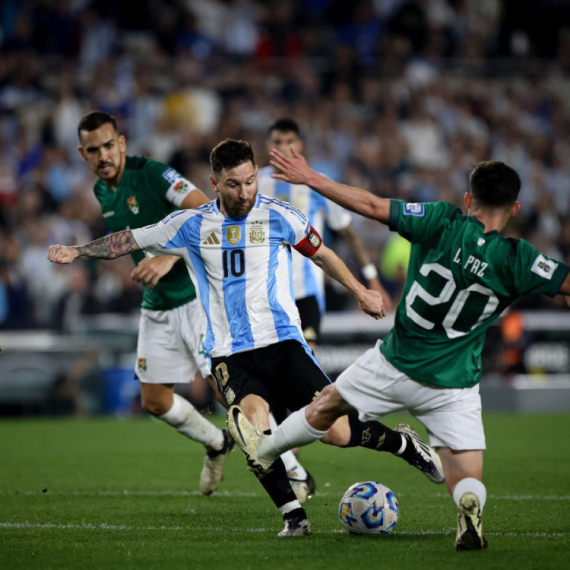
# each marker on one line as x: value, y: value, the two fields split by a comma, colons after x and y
x: 62, y: 253
x: 294, y: 170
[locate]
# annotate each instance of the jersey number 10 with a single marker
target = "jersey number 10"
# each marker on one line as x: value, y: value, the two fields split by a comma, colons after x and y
x: 445, y: 295
x: 236, y: 263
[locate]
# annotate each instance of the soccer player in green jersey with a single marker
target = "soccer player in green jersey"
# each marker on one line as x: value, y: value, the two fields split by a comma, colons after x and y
x: 462, y: 275
x: 135, y: 191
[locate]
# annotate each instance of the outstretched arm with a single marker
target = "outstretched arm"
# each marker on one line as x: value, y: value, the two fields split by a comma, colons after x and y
x: 369, y: 271
x: 296, y: 171
x: 108, y: 247
x: 370, y: 301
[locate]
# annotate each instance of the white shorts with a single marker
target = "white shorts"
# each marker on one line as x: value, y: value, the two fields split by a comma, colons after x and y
x: 170, y: 345
x: 452, y: 416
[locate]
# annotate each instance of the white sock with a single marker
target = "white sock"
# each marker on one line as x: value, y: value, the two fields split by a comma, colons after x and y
x: 294, y: 469
x: 288, y: 507
x: 470, y: 485
x: 294, y: 431
x: 188, y: 421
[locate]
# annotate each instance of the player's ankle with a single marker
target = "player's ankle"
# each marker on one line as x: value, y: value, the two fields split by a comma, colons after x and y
x: 299, y: 513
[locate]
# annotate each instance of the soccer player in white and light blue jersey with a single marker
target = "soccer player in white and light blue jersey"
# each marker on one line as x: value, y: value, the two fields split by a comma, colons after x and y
x: 308, y: 279
x: 238, y: 253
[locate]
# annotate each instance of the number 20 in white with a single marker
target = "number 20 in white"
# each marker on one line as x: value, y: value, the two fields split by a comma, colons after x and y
x: 445, y: 295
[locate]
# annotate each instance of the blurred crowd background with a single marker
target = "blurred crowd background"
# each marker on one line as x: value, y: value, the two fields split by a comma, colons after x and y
x: 401, y: 97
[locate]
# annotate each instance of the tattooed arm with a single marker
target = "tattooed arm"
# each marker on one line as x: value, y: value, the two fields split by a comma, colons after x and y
x: 108, y: 247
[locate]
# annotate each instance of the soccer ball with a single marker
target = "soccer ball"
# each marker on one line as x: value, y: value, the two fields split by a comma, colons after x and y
x: 368, y: 508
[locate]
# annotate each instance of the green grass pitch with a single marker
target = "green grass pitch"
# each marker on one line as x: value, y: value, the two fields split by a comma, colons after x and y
x: 124, y: 494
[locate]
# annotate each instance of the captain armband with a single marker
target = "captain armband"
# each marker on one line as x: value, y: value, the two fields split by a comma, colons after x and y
x: 311, y: 244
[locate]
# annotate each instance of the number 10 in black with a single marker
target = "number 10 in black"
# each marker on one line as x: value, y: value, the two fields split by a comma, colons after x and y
x: 233, y: 262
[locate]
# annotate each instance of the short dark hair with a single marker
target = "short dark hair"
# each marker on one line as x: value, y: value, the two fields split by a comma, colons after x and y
x: 230, y: 153
x: 284, y: 125
x: 493, y: 183
x: 95, y: 119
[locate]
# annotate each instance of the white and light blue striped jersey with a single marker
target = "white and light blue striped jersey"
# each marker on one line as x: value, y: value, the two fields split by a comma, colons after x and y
x: 308, y: 279
x: 241, y: 268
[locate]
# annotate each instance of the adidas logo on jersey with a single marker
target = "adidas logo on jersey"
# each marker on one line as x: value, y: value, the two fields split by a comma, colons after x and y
x: 212, y: 240
x: 480, y: 241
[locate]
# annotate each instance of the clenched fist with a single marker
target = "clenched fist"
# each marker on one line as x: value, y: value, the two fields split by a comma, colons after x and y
x: 371, y: 303
x: 62, y: 253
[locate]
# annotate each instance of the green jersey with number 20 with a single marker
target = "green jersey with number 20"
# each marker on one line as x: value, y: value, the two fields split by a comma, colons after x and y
x: 460, y: 279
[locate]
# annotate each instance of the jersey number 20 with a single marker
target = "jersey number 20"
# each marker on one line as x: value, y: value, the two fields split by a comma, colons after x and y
x: 445, y: 295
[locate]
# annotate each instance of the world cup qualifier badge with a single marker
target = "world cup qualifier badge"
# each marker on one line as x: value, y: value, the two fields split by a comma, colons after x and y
x: 141, y: 364
x: 133, y: 205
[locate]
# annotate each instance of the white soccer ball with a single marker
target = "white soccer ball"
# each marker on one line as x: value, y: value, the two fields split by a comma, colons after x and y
x: 369, y: 508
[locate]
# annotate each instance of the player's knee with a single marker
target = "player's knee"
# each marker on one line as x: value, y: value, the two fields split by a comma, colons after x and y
x: 156, y: 406
x: 327, y: 403
x: 256, y: 410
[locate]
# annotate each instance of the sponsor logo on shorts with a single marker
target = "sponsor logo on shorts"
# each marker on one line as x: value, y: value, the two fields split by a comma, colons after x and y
x: 229, y: 396
x: 133, y: 205
x: 233, y: 235
x: 141, y: 364
x: 171, y: 175
x: 544, y: 267
x: 257, y: 234
x: 414, y: 210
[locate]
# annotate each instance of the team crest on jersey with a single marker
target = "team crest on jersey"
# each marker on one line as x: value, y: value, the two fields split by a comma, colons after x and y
x: 257, y: 234
x: 414, y: 210
x: 141, y: 364
x: 233, y: 235
x: 180, y: 187
x: 133, y: 205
